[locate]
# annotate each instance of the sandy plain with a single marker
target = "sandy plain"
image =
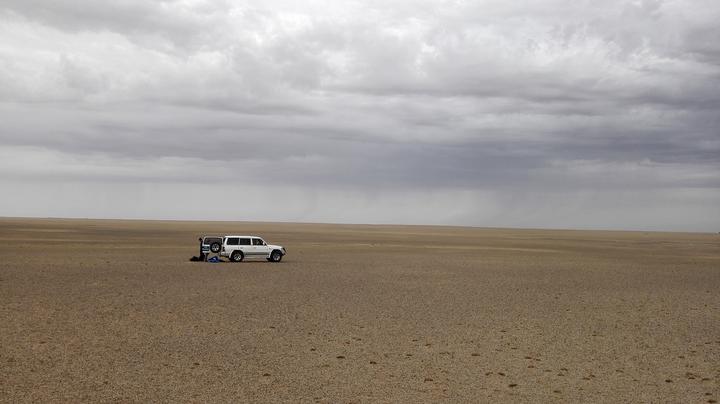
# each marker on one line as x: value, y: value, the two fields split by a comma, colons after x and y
x: 113, y: 311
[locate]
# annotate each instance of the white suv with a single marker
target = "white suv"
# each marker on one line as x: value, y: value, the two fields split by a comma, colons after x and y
x: 237, y: 248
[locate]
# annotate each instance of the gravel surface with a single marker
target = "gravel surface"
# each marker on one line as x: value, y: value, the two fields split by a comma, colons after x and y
x: 105, y: 311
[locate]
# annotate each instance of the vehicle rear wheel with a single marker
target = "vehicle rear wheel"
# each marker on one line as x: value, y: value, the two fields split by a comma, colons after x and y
x: 276, y: 256
x: 237, y: 256
x: 215, y: 247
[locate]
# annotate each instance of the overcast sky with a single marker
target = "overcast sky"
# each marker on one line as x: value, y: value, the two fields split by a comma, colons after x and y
x: 553, y: 113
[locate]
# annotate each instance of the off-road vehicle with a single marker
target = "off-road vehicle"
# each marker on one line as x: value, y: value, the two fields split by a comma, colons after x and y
x: 238, y: 248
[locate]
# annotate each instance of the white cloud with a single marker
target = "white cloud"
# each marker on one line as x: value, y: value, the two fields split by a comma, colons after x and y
x: 350, y: 98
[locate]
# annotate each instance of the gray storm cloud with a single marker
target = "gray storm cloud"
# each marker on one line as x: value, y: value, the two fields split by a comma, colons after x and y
x: 547, y: 114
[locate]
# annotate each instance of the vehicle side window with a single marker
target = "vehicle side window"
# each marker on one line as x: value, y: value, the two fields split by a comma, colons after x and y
x: 244, y: 241
x: 233, y: 241
x: 257, y: 241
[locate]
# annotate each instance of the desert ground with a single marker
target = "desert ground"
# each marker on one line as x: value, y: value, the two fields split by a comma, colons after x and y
x: 113, y: 311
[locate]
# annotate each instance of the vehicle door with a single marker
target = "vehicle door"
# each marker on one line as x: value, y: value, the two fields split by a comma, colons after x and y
x: 231, y: 244
x: 208, y: 243
x: 260, y: 248
x: 246, y: 246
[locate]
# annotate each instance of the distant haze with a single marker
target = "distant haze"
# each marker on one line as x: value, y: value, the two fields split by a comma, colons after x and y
x: 553, y: 113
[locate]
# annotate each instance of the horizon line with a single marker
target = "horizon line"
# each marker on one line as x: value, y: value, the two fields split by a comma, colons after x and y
x: 125, y: 219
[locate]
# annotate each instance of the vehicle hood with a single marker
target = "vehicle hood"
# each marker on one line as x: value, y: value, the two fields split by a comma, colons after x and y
x: 275, y: 247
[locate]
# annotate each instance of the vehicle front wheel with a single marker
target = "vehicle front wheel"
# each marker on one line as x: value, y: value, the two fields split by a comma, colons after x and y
x: 236, y: 256
x: 276, y: 256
